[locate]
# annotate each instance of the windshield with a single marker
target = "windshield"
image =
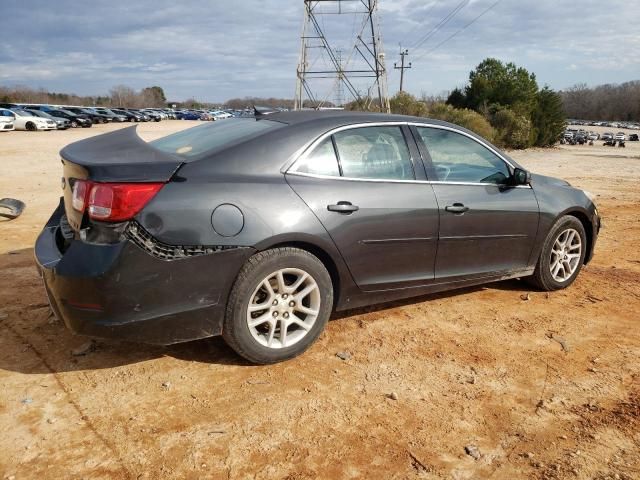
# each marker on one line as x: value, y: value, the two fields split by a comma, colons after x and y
x: 39, y: 113
x: 23, y: 113
x: 212, y: 136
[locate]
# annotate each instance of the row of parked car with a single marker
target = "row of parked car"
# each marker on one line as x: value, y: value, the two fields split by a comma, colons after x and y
x: 35, y: 117
x: 627, y: 125
x: 580, y: 137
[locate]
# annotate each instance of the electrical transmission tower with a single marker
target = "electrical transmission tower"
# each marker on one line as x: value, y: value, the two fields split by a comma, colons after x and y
x: 324, y: 73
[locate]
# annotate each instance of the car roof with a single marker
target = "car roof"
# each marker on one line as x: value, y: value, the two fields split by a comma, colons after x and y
x: 345, y: 117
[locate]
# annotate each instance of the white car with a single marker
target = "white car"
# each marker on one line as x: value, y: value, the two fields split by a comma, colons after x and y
x: 620, y: 136
x: 220, y: 115
x: 7, y: 119
x: 28, y: 121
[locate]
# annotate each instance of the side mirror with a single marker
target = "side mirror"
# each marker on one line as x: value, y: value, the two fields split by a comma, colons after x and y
x: 521, y: 177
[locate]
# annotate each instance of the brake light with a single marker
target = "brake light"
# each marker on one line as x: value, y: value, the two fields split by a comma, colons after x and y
x: 112, y: 202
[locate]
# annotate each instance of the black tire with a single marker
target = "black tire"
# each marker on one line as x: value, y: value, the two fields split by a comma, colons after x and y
x: 236, y: 331
x: 542, y: 277
x: 74, y: 124
x: 30, y: 126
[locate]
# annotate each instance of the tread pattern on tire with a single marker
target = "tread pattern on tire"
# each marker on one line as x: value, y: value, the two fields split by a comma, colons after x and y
x: 250, y: 265
x: 541, y: 277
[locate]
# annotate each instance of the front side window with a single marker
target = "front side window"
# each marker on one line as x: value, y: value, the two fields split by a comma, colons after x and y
x: 375, y: 153
x: 458, y: 158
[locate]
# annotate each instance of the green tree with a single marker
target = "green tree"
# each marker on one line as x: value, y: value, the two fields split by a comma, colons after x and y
x: 457, y: 98
x: 548, y: 120
x: 493, y: 82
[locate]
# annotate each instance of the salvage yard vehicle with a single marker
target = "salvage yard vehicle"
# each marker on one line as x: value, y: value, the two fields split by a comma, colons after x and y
x: 61, y: 123
x: 130, y: 116
x: 92, y: 115
x: 7, y: 119
x: 258, y: 228
x: 75, y: 120
x: 26, y: 120
x: 620, y: 136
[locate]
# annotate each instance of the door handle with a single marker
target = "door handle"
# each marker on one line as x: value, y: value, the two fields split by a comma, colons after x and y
x: 343, y: 207
x: 457, y: 208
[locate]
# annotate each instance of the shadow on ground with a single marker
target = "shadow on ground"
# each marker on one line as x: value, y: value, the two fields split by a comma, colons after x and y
x: 33, y: 341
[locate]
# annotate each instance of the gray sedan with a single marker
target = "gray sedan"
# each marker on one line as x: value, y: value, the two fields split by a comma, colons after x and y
x: 256, y: 229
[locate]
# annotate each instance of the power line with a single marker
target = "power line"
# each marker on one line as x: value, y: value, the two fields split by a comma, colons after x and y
x: 459, y: 31
x: 426, y: 16
x: 441, y: 24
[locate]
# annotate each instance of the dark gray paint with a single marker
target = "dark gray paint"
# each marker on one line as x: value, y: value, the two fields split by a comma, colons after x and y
x: 391, y: 240
x: 401, y: 241
x: 496, y: 234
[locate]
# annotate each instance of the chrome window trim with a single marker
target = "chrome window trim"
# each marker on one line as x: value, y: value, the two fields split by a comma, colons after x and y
x: 291, y: 169
x: 379, y: 180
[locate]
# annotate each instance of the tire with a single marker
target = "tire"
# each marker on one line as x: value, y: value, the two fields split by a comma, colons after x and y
x: 543, y: 277
x: 74, y: 124
x: 263, y: 343
x: 30, y: 126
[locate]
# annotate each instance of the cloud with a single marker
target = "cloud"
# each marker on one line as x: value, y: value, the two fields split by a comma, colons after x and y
x: 217, y: 50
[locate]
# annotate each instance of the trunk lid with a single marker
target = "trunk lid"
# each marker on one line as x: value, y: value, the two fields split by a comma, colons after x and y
x: 120, y: 156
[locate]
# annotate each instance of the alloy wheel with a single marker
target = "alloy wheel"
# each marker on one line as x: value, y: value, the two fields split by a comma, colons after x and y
x: 565, y: 255
x: 283, y: 308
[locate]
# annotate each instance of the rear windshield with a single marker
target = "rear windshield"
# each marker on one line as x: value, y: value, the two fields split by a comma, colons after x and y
x: 212, y: 136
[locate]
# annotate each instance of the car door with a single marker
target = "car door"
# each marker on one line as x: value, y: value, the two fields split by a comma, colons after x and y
x: 487, y: 226
x: 361, y: 184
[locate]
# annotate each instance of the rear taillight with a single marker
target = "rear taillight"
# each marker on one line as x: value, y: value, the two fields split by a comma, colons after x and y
x: 80, y: 193
x: 112, y: 202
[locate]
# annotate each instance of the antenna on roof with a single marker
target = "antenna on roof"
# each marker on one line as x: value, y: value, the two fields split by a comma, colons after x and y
x: 259, y: 111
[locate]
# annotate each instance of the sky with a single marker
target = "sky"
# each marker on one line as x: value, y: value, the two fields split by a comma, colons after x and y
x: 214, y: 50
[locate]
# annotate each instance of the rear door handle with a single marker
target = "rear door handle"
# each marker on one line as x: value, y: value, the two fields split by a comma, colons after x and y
x: 457, y: 208
x: 343, y: 207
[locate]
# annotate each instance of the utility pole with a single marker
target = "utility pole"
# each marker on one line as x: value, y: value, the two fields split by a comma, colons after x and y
x: 402, y: 67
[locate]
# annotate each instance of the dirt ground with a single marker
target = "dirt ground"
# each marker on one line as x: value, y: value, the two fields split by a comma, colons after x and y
x: 535, y: 386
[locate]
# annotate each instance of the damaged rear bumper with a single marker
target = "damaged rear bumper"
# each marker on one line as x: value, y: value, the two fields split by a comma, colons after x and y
x: 122, y: 291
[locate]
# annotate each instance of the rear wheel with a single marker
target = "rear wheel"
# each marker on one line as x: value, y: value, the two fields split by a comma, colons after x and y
x: 562, y: 255
x: 31, y: 126
x: 278, y: 306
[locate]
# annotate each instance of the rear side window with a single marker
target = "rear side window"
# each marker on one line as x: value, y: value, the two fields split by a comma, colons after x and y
x: 321, y: 161
x: 212, y: 136
x: 458, y: 158
x: 379, y: 153
x: 375, y: 153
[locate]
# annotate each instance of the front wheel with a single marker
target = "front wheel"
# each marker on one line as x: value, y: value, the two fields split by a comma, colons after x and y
x: 279, y: 305
x: 562, y: 255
